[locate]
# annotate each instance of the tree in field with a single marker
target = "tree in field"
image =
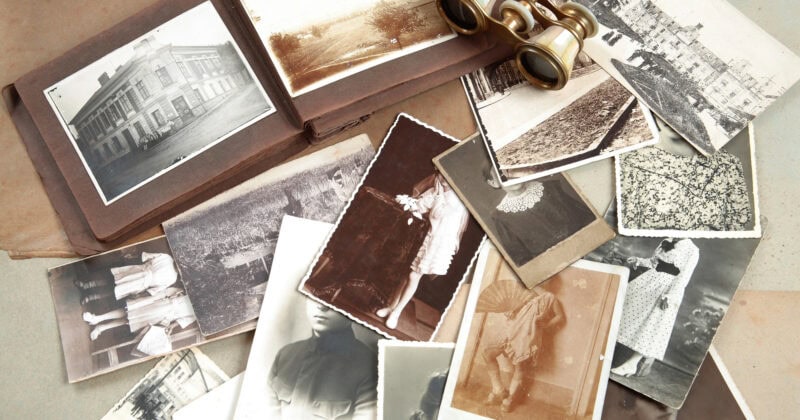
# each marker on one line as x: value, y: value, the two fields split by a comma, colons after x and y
x: 395, y: 20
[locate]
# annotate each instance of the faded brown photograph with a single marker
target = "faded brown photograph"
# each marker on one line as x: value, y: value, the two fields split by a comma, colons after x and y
x: 536, y: 354
x: 123, y: 307
x: 404, y: 243
x: 314, y: 43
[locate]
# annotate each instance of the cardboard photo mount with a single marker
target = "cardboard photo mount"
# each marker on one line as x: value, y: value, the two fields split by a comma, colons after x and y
x: 92, y: 226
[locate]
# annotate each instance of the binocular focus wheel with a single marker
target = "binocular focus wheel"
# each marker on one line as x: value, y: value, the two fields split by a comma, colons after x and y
x: 464, y: 16
x: 584, y: 16
x: 524, y: 13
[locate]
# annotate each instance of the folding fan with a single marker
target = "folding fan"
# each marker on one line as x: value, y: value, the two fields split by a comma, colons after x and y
x: 503, y: 296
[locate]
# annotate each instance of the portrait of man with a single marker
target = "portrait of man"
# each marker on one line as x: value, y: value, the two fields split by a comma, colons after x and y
x: 330, y: 375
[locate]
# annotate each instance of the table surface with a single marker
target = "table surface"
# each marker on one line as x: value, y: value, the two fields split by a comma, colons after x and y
x: 753, y: 341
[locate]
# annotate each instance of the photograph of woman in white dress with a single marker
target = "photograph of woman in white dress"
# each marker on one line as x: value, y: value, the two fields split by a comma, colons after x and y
x: 434, y: 198
x: 652, y: 302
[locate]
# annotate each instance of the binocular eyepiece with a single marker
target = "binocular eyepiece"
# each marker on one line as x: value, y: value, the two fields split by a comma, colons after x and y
x: 546, y: 58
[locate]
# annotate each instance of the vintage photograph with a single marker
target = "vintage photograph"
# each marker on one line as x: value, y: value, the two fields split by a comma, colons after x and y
x: 224, y: 246
x: 671, y: 190
x: 713, y: 395
x: 219, y: 403
x: 540, y: 226
x: 315, y: 43
x: 541, y: 353
x: 411, y: 378
x: 308, y: 360
x: 158, y: 101
x: 123, y: 307
x: 679, y: 291
x: 689, y: 66
x: 174, y: 382
x: 403, y: 245
x: 532, y: 132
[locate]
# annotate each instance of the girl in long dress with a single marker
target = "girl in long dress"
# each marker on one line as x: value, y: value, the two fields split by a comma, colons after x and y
x: 448, y: 219
x: 652, y: 301
x: 156, y: 273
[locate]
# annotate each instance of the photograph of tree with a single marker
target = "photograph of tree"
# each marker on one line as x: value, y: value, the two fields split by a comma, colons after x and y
x: 316, y: 43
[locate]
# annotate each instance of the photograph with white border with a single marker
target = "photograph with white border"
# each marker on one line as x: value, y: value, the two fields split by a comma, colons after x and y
x: 411, y: 378
x: 541, y: 353
x: 672, y: 190
x: 702, y: 66
x: 158, y: 101
x: 678, y: 294
x: 531, y: 133
x: 403, y: 245
x: 306, y: 359
x: 174, y: 382
x: 217, y: 404
x: 224, y: 246
x: 315, y: 43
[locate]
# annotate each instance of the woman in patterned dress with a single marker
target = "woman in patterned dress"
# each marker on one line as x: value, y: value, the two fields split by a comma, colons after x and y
x: 652, y: 302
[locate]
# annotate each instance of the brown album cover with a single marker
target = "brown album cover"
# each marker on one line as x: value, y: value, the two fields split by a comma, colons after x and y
x: 181, y: 101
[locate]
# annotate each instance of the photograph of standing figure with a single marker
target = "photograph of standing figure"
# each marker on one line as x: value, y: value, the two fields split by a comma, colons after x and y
x: 448, y: 218
x: 679, y: 292
x: 123, y: 307
x: 652, y: 303
x: 404, y: 243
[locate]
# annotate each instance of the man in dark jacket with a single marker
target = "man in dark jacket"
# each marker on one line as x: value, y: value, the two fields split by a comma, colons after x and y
x: 330, y: 375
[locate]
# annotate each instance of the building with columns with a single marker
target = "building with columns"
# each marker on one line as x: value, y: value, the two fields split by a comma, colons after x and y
x: 160, y: 90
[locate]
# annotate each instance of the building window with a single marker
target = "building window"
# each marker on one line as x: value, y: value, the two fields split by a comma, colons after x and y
x: 163, y: 76
x: 114, y: 113
x: 142, y: 89
x: 117, y: 144
x: 139, y: 129
x: 125, y: 103
x: 183, y: 69
x: 159, y: 117
x: 196, y: 68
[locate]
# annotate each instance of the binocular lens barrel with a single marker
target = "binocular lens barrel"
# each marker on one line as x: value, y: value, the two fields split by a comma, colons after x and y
x: 539, y: 67
x: 460, y: 14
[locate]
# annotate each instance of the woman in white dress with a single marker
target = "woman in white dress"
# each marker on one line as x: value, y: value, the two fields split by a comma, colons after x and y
x: 448, y: 219
x: 155, y: 273
x: 652, y: 301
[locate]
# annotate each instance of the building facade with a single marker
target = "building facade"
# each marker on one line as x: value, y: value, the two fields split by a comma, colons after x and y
x: 160, y: 90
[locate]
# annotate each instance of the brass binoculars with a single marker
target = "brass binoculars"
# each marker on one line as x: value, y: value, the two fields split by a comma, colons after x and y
x: 546, y: 58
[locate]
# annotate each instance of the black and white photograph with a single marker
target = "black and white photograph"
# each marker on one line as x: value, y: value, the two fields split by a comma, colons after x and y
x: 224, y: 246
x: 404, y: 244
x: 411, y: 378
x: 540, y: 226
x: 308, y: 360
x: 678, y: 293
x: 123, y: 307
x: 316, y: 43
x: 174, y: 382
x: 219, y: 403
x: 671, y: 190
x: 701, y: 66
x: 158, y: 101
x: 541, y: 353
x: 532, y: 133
x: 714, y: 395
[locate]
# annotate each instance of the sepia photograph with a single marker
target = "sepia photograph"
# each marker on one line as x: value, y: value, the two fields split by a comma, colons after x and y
x: 315, y: 43
x: 307, y: 360
x: 540, y: 226
x: 224, y: 246
x: 158, y: 101
x: 689, y: 66
x: 174, y: 382
x: 411, y: 378
x: 404, y: 244
x: 532, y: 133
x: 671, y: 190
x: 123, y: 307
x: 714, y: 395
x: 541, y: 353
x: 678, y: 293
